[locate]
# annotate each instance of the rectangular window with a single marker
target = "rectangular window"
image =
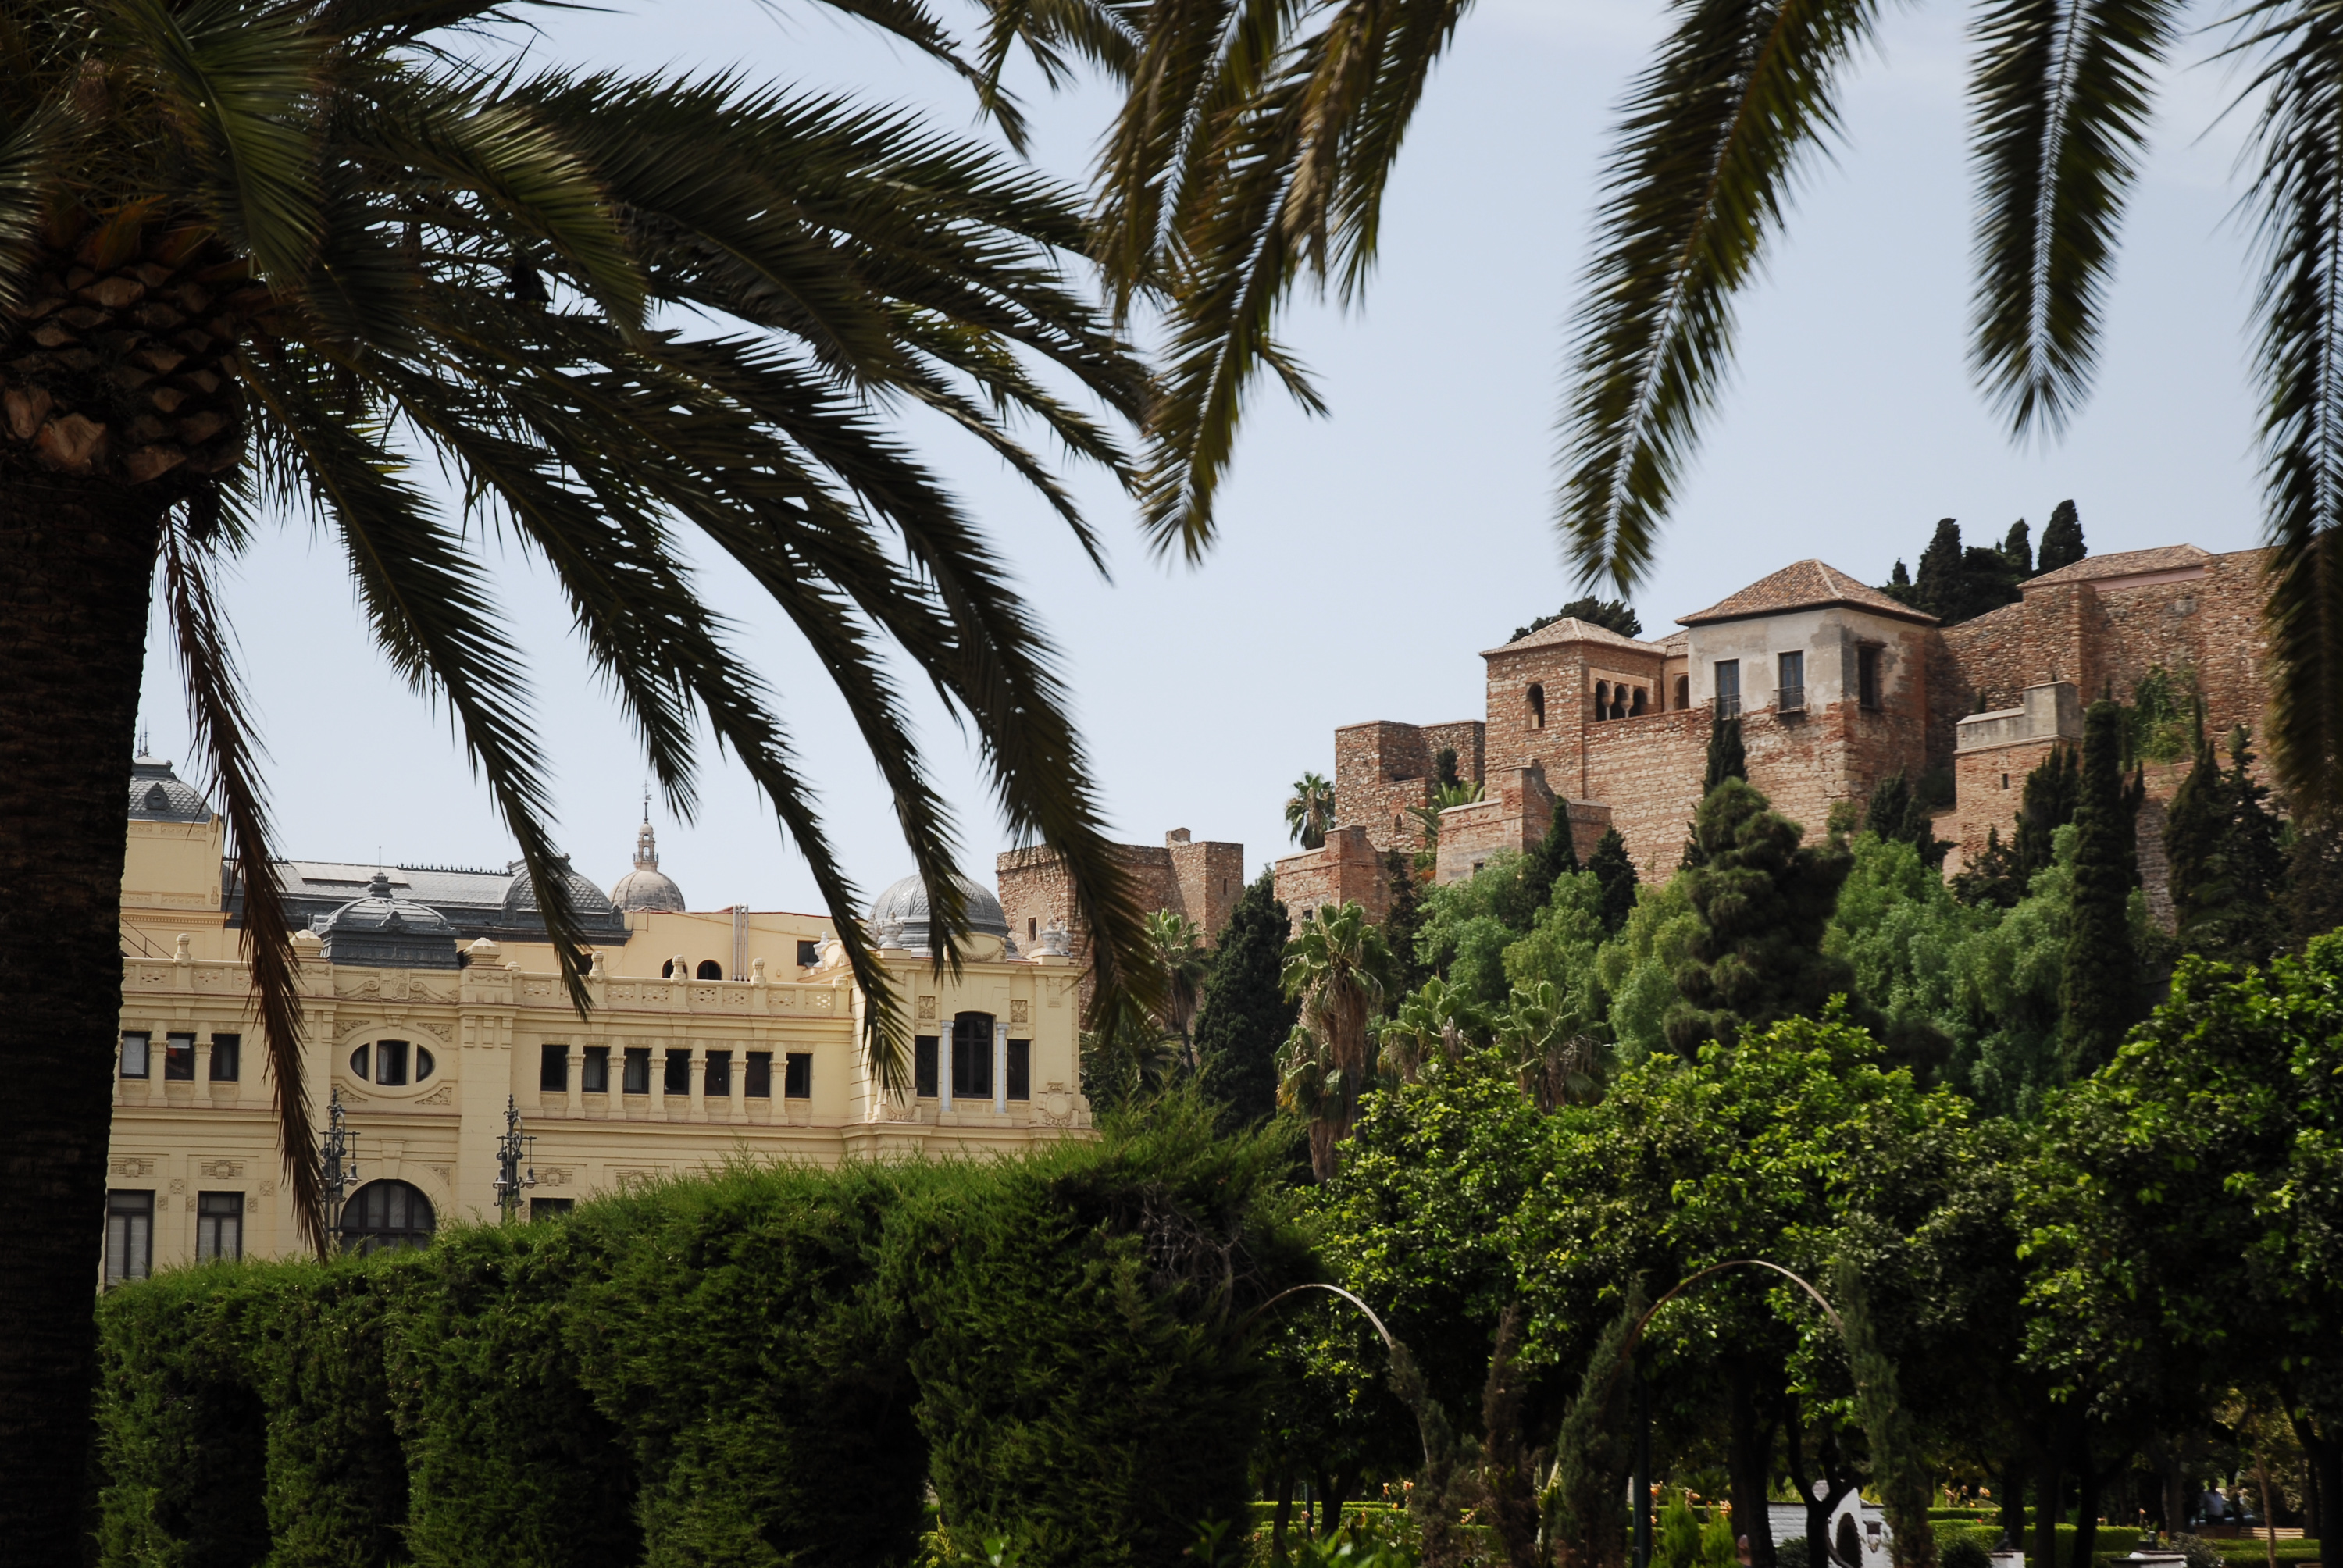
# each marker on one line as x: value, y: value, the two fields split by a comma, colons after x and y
x: 550, y: 1208
x: 797, y: 1076
x: 390, y: 1061
x: 129, y: 1236
x: 219, y: 1226
x: 759, y: 1075
x: 227, y: 1051
x: 674, y: 1076
x: 638, y: 1070
x: 1866, y: 677
x: 923, y: 1066
x: 1729, y: 687
x: 553, y: 1068
x: 973, y: 1069
x: 1791, y: 692
x: 808, y: 953
x: 133, y: 1053
x: 179, y: 1056
x: 594, y: 1073
x: 720, y: 1073
x: 1021, y: 1069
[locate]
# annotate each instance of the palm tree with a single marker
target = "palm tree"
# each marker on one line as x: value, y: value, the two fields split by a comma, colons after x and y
x: 270, y: 257
x: 1427, y: 817
x: 1256, y: 140
x: 1338, y: 966
x: 1178, y: 945
x: 1309, y: 812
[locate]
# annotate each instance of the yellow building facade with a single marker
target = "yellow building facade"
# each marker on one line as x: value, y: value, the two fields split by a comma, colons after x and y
x: 427, y: 1011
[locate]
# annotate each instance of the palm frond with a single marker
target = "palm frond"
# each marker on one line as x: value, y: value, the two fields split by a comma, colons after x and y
x: 235, y: 77
x: 1711, y: 140
x: 2299, y: 359
x: 2059, y: 108
x: 215, y: 712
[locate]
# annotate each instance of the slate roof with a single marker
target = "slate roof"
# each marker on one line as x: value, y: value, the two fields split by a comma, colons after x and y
x: 1570, y: 629
x: 2123, y: 564
x: 500, y: 905
x: 1804, y: 584
x: 159, y: 795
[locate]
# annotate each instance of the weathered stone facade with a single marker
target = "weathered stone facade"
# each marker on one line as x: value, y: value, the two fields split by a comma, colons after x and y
x: 1200, y: 880
x: 1837, y: 687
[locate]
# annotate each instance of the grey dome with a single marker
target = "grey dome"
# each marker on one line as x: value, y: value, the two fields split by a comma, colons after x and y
x: 520, y: 896
x: 647, y: 887
x: 159, y: 795
x: 904, y: 906
x: 383, y: 930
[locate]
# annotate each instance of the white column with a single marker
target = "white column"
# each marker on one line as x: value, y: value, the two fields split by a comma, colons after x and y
x: 739, y: 1110
x: 1000, y: 1068
x: 943, y: 1063
x: 576, y: 1078
x: 698, y: 1083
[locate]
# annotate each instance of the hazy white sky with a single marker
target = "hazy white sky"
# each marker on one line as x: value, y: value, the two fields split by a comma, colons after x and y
x: 1369, y: 555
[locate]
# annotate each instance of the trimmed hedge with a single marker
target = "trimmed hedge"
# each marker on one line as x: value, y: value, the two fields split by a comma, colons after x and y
x: 760, y: 1368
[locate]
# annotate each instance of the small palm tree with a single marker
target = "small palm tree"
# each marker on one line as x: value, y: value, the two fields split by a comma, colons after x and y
x: 1555, y: 1059
x: 1427, y: 817
x: 1309, y: 812
x: 1438, y: 1022
x: 1178, y: 945
x: 271, y: 256
x: 1338, y: 966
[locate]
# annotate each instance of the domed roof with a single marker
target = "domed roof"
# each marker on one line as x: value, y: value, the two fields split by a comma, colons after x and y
x: 383, y: 930
x: 159, y: 795
x: 520, y: 896
x: 901, y: 911
x: 647, y: 887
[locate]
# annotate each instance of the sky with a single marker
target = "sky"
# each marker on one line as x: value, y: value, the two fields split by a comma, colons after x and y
x: 1366, y: 556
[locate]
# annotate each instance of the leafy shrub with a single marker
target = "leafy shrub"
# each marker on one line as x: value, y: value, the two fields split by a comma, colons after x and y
x: 2200, y: 1553
x: 1087, y: 1384
x: 1963, y: 1551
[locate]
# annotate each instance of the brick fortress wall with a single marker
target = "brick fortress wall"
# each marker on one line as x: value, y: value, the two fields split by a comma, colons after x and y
x: 1200, y: 880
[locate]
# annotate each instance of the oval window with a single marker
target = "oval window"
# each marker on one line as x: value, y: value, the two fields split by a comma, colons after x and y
x: 388, y: 1061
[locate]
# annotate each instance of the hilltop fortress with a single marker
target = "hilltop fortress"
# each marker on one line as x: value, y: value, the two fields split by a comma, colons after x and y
x: 1837, y: 686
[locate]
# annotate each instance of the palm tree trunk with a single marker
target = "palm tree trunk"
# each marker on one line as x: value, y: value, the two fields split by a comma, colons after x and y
x: 77, y: 561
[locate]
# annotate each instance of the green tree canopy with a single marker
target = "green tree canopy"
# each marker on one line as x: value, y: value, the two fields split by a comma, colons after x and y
x: 1245, y: 1015
x: 2099, y: 987
x: 1764, y: 899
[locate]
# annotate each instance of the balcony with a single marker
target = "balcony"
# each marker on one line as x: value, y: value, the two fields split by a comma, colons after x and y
x: 1789, y: 699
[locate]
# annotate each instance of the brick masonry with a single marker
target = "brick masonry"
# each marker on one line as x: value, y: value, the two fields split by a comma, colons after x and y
x: 1200, y: 880
x: 1551, y: 701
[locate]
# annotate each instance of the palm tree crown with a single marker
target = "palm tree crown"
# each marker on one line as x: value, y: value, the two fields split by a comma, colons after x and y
x: 260, y: 256
x: 1256, y: 141
x: 1310, y: 810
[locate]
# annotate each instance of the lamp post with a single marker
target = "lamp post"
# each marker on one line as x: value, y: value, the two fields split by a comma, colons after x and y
x: 337, y: 1163
x: 513, y: 1151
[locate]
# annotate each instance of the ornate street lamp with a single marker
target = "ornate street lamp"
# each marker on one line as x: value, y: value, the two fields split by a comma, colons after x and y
x: 337, y: 1163
x: 514, y: 1150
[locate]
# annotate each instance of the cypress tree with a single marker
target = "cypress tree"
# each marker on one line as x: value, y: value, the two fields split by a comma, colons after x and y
x: 1763, y: 900
x: 2017, y: 550
x: 1615, y: 874
x: 1726, y: 760
x: 1938, y: 581
x: 1444, y: 768
x: 1401, y: 925
x: 1896, y: 812
x: 2098, y: 990
x: 2062, y: 541
x: 1554, y: 856
x: 2047, y: 805
x: 1245, y: 1016
x: 2194, y: 825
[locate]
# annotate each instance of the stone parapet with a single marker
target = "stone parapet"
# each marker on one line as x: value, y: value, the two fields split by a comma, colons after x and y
x: 1347, y: 868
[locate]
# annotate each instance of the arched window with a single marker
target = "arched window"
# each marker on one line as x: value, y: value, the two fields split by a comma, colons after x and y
x: 1634, y: 708
x: 1683, y: 692
x: 666, y: 969
x: 386, y: 1214
x: 710, y: 969
x: 1537, y: 706
x: 1602, y: 700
